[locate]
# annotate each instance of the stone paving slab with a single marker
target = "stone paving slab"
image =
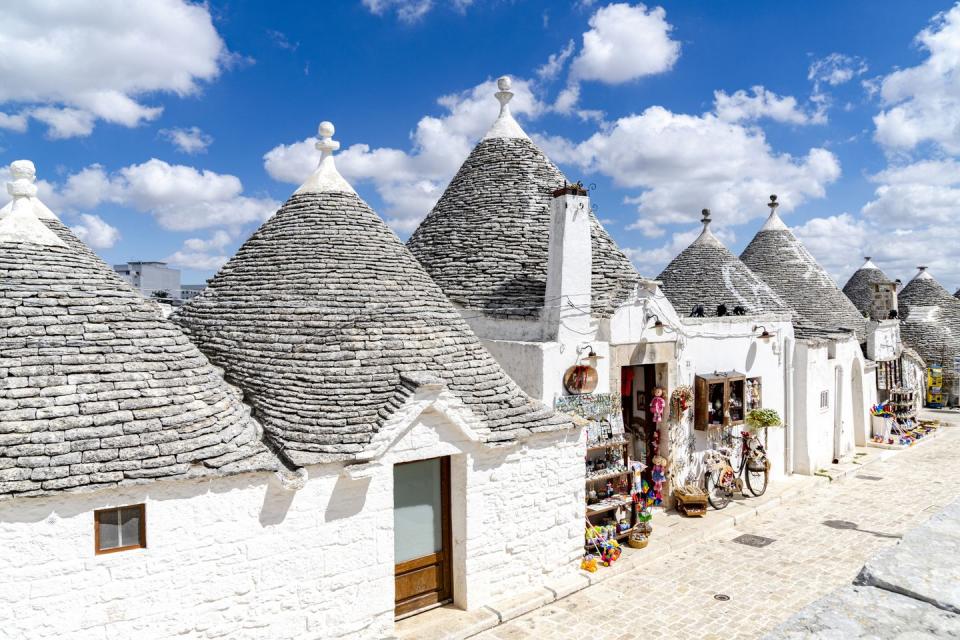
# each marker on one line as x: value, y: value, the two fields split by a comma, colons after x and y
x: 861, y: 612
x: 925, y: 565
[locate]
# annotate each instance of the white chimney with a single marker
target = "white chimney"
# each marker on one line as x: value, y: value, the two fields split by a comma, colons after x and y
x: 566, y: 314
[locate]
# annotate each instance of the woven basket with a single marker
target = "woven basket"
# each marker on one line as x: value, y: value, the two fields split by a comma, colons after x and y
x: 638, y: 540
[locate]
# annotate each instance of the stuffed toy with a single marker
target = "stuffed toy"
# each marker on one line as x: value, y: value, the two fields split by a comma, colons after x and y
x: 658, y: 404
x: 659, y: 476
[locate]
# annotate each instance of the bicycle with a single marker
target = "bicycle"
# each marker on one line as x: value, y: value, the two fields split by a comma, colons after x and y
x: 723, y: 480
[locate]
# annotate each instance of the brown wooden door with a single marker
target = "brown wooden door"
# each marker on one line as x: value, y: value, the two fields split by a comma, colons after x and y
x: 421, y: 507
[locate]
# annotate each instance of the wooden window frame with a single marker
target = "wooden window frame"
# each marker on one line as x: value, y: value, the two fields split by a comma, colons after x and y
x: 142, y: 544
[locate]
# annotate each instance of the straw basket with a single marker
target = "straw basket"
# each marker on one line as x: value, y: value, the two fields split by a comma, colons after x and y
x: 638, y: 540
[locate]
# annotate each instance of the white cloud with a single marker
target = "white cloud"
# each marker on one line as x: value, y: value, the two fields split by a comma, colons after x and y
x: 16, y: 122
x: 556, y: 62
x: 190, y: 140
x: 683, y: 163
x: 96, y: 232
x: 70, y: 64
x: 410, y: 182
x: 406, y: 10
x: 179, y: 197
x: 625, y: 43
x: 923, y: 192
x: 835, y: 69
x: 744, y: 107
x: 840, y: 242
x: 201, y: 254
x: 923, y: 102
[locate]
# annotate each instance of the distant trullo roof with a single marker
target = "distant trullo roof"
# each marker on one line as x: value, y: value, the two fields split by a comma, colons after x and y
x: 329, y: 324
x: 97, y: 389
x: 930, y: 319
x: 707, y: 273
x: 486, y: 240
x: 859, y: 288
x: 956, y: 294
x: 777, y: 256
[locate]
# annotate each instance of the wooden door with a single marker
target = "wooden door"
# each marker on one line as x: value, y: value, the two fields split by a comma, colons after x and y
x: 422, y: 547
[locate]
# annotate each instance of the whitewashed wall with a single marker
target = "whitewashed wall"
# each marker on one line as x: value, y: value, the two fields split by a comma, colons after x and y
x: 242, y: 558
x: 731, y: 344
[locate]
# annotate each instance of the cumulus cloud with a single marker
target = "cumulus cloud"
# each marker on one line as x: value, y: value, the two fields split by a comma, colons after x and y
x: 96, y: 232
x: 556, y: 62
x: 189, y: 140
x: 744, y: 107
x: 410, y: 182
x: 923, y: 192
x: 682, y: 163
x: 840, y: 242
x: 179, y: 197
x: 70, y: 64
x: 923, y: 102
x: 624, y: 43
x: 202, y: 254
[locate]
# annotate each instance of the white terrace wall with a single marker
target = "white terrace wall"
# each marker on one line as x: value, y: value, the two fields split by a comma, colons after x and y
x: 241, y: 557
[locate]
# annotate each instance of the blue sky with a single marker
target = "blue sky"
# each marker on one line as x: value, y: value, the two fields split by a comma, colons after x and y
x: 168, y: 130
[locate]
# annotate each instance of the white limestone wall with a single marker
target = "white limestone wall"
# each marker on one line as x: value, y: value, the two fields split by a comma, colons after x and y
x: 242, y: 558
x: 731, y: 344
x: 823, y: 432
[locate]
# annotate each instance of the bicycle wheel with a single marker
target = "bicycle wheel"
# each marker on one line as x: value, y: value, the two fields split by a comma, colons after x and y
x: 757, y: 481
x: 717, y: 496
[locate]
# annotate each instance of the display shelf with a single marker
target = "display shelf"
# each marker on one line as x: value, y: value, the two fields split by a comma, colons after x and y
x: 592, y: 511
x: 607, y: 445
x: 607, y: 476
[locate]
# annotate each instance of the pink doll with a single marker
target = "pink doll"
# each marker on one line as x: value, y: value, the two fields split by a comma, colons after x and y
x: 657, y: 404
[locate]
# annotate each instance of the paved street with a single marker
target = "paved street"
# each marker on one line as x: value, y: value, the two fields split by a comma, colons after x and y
x: 821, y: 540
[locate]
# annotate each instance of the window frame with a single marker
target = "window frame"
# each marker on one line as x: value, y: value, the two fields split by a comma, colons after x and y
x: 825, y: 400
x: 142, y: 529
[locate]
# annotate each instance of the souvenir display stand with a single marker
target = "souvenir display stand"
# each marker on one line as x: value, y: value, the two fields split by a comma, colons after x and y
x: 895, y: 424
x: 719, y: 399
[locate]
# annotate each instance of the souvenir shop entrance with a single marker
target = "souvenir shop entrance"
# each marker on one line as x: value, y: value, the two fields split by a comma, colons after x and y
x: 644, y: 409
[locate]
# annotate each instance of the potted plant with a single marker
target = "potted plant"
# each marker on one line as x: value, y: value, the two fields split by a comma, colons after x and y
x: 762, y: 418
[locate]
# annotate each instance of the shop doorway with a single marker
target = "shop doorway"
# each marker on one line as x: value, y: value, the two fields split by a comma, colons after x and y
x: 637, y: 391
x: 422, y: 540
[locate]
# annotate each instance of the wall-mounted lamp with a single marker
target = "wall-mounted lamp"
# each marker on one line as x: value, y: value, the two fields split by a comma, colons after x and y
x: 765, y: 335
x: 658, y: 324
x: 591, y: 354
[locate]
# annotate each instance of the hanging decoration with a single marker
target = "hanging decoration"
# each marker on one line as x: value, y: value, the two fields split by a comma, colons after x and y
x: 580, y: 378
x: 659, y: 475
x: 681, y: 399
x: 657, y: 405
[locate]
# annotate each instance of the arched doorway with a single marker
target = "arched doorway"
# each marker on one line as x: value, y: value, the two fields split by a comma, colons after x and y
x: 860, y: 434
x: 838, y: 415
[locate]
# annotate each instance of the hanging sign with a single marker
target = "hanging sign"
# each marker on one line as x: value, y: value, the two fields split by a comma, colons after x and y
x: 580, y: 378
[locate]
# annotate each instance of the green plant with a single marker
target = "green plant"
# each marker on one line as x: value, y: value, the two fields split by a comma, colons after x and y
x: 759, y: 418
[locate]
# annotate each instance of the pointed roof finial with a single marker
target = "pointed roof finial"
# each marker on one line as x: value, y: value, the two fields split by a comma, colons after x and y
x: 21, y: 224
x: 325, y: 177
x: 505, y: 126
x: 868, y: 263
x: 773, y: 223
x: 25, y: 170
x: 706, y: 236
x: 922, y: 273
x: 706, y: 217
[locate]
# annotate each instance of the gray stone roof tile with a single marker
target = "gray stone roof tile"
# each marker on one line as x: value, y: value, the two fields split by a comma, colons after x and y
x: 96, y: 389
x: 486, y: 240
x: 777, y: 256
x: 328, y: 324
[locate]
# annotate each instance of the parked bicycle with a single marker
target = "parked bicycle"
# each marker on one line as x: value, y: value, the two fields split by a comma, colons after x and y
x: 724, y: 478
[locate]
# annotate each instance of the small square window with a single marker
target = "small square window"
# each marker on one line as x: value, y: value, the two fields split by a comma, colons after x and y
x: 120, y: 528
x: 824, y: 399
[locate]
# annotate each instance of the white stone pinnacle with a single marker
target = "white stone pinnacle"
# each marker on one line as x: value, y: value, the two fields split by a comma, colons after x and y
x: 325, y: 177
x: 706, y: 236
x: 774, y: 222
x: 21, y: 225
x: 922, y: 274
x: 869, y: 264
x: 25, y: 170
x: 505, y: 125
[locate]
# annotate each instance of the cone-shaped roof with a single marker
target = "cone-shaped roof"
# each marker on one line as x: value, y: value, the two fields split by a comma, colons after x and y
x: 707, y: 273
x: 777, y: 256
x: 486, y: 241
x: 98, y: 389
x: 859, y: 288
x: 326, y: 320
x: 930, y: 321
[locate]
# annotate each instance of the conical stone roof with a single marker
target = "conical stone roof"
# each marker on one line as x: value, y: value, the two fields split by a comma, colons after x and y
x: 486, y: 241
x: 96, y: 389
x: 930, y: 321
x: 777, y: 256
x: 326, y: 321
x: 707, y: 273
x: 859, y: 288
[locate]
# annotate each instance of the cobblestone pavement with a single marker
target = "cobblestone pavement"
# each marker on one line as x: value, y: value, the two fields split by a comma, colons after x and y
x: 821, y: 540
